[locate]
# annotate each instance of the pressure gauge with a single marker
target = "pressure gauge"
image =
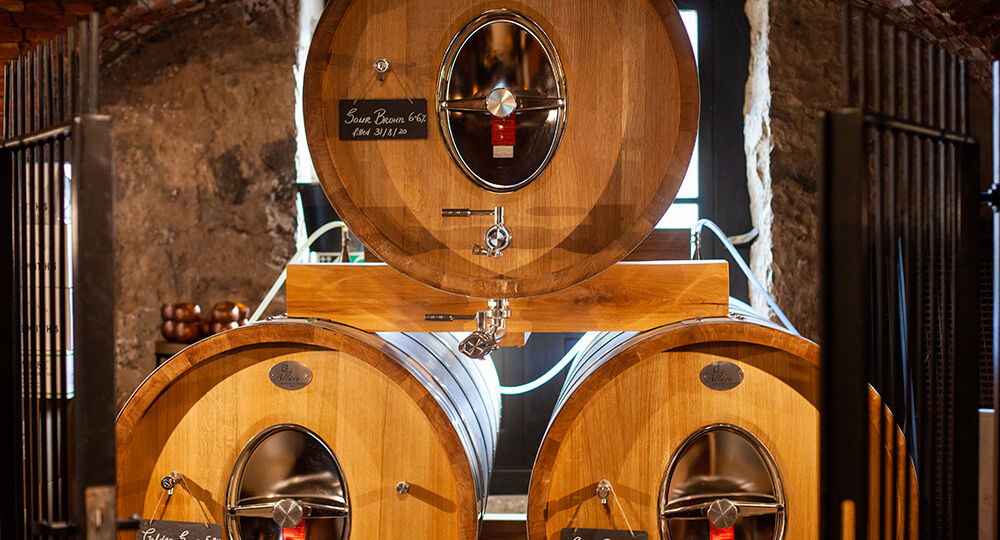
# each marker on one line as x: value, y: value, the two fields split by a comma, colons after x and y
x: 501, y: 100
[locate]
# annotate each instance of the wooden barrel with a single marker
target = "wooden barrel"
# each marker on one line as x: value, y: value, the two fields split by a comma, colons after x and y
x: 410, y: 427
x: 624, y: 116
x: 633, y: 403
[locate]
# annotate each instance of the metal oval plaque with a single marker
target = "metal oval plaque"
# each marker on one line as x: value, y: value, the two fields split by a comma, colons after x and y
x: 721, y: 375
x: 290, y: 375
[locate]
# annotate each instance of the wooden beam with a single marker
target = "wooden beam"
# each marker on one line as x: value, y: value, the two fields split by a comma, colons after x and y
x: 627, y: 296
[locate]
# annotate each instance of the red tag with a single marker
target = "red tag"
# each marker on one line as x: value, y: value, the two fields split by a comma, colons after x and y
x: 503, y: 131
x: 297, y: 532
x: 721, y: 534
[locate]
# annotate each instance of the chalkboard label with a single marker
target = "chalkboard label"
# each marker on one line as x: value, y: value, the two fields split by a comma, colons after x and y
x: 177, y: 530
x: 372, y: 119
x: 601, y: 534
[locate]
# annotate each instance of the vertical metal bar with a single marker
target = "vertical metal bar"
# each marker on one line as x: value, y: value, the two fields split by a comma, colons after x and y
x: 875, y: 103
x: 93, y: 51
x: 56, y: 442
x: 8, y: 101
x: 963, y: 98
x: 876, y: 373
x: 10, y: 499
x: 37, y: 289
x: 70, y: 74
x: 843, y: 392
x: 32, y: 287
x: 81, y: 68
x: 93, y: 308
x: 847, y: 50
x: 996, y: 294
x: 889, y: 59
x: 21, y: 211
x: 62, y: 285
x: 927, y: 353
x: 43, y: 305
x: 903, y: 83
x: 965, y: 339
x: 862, y: 71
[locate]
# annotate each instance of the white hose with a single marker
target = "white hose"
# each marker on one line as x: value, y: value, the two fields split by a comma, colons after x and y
x: 575, y: 351
x: 746, y: 269
x: 302, y: 250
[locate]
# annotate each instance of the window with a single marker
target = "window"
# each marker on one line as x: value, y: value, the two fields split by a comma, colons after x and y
x: 683, y: 213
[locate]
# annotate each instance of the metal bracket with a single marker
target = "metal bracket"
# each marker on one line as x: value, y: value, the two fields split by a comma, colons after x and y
x: 497, y: 237
x: 491, y: 327
x: 381, y: 67
x: 603, y: 491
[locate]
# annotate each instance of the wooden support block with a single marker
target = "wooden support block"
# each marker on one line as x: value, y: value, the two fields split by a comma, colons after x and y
x: 626, y: 297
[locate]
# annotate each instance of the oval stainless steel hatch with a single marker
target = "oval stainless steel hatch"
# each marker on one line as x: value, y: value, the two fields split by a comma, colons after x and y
x: 284, y: 475
x: 501, y: 100
x: 724, y: 476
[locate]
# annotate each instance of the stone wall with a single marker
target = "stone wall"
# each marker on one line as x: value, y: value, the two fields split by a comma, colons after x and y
x: 806, y: 75
x: 796, y: 73
x: 204, y: 157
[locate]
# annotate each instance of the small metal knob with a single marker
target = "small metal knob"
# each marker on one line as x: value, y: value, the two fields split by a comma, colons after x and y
x: 403, y: 488
x: 501, y: 102
x: 287, y: 513
x: 381, y: 67
x: 603, y: 491
x: 722, y: 513
x: 168, y: 482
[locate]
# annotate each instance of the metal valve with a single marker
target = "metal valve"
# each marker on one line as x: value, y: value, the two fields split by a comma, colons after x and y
x: 491, y: 327
x: 497, y: 237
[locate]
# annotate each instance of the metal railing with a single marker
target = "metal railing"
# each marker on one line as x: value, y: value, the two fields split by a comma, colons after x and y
x: 58, y: 271
x: 900, y: 270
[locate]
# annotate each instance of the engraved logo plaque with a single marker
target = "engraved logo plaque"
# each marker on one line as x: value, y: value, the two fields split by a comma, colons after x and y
x: 721, y: 375
x: 290, y: 375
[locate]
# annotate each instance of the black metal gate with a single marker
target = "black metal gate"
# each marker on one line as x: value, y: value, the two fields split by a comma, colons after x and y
x: 58, y: 275
x: 901, y: 272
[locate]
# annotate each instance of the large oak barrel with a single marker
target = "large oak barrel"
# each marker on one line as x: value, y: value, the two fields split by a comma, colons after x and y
x: 372, y: 436
x: 602, y: 99
x: 676, y: 418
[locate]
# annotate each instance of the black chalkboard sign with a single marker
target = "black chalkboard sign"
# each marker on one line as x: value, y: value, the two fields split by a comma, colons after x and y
x: 177, y: 530
x: 601, y: 534
x: 372, y: 119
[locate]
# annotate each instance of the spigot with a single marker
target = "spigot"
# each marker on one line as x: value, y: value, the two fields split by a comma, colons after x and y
x: 497, y: 237
x: 491, y: 327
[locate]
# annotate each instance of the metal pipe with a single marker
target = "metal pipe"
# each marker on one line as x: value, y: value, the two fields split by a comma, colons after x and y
x: 923, y: 130
x: 61, y: 130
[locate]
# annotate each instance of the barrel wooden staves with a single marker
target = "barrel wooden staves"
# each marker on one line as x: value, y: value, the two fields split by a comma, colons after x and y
x: 380, y: 434
x: 602, y: 96
x: 632, y: 400
x: 677, y: 418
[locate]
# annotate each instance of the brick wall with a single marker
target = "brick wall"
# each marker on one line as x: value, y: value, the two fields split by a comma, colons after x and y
x: 24, y: 24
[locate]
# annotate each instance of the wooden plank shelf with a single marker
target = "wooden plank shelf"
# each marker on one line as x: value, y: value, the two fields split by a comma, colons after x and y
x: 629, y: 296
